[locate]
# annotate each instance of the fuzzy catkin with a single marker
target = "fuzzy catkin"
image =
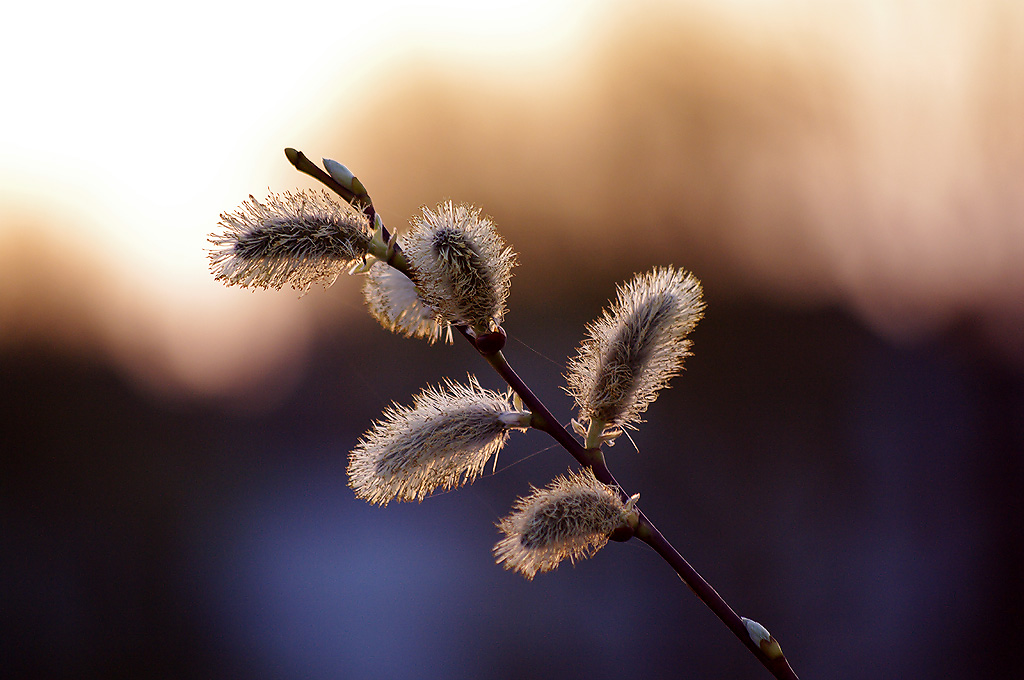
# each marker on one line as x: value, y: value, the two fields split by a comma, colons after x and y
x: 460, y: 265
x: 296, y: 238
x: 569, y: 518
x: 635, y: 347
x: 394, y: 302
x: 443, y: 441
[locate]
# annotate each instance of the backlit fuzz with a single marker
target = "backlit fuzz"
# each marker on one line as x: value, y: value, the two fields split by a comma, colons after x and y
x: 571, y: 517
x: 298, y: 238
x: 392, y: 299
x: 443, y: 441
x: 451, y: 272
x: 460, y: 265
x: 636, y: 346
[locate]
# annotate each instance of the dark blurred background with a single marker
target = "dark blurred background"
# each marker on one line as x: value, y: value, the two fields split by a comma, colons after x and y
x: 843, y: 457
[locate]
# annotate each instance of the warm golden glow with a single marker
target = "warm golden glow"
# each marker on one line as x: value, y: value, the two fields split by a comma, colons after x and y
x: 863, y: 153
x: 127, y: 129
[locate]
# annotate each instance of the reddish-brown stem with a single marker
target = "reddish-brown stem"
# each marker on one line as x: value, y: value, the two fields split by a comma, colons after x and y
x: 646, y: 531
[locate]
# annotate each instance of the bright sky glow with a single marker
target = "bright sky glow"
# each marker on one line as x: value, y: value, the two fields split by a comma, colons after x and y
x: 125, y: 111
x: 127, y: 128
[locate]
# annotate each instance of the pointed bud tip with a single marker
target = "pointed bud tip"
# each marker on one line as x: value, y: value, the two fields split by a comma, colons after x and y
x: 344, y: 177
x: 762, y: 638
x: 338, y: 171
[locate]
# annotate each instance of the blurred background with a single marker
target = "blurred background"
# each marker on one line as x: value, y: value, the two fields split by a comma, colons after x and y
x: 843, y: 457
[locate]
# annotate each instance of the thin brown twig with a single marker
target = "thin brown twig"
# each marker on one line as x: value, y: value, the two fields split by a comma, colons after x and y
x: 776, y: 663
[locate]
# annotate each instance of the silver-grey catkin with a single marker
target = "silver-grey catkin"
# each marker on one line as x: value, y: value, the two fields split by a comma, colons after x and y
x: 394, y: 302
x: 569, y: 518
x: 635, y: 347
x: 460, y: 264
x: 296, y: 238
x: 443, y: 441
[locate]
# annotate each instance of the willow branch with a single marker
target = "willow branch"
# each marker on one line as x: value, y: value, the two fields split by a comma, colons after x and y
x: 772, y: 657
x: 489, y: 346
